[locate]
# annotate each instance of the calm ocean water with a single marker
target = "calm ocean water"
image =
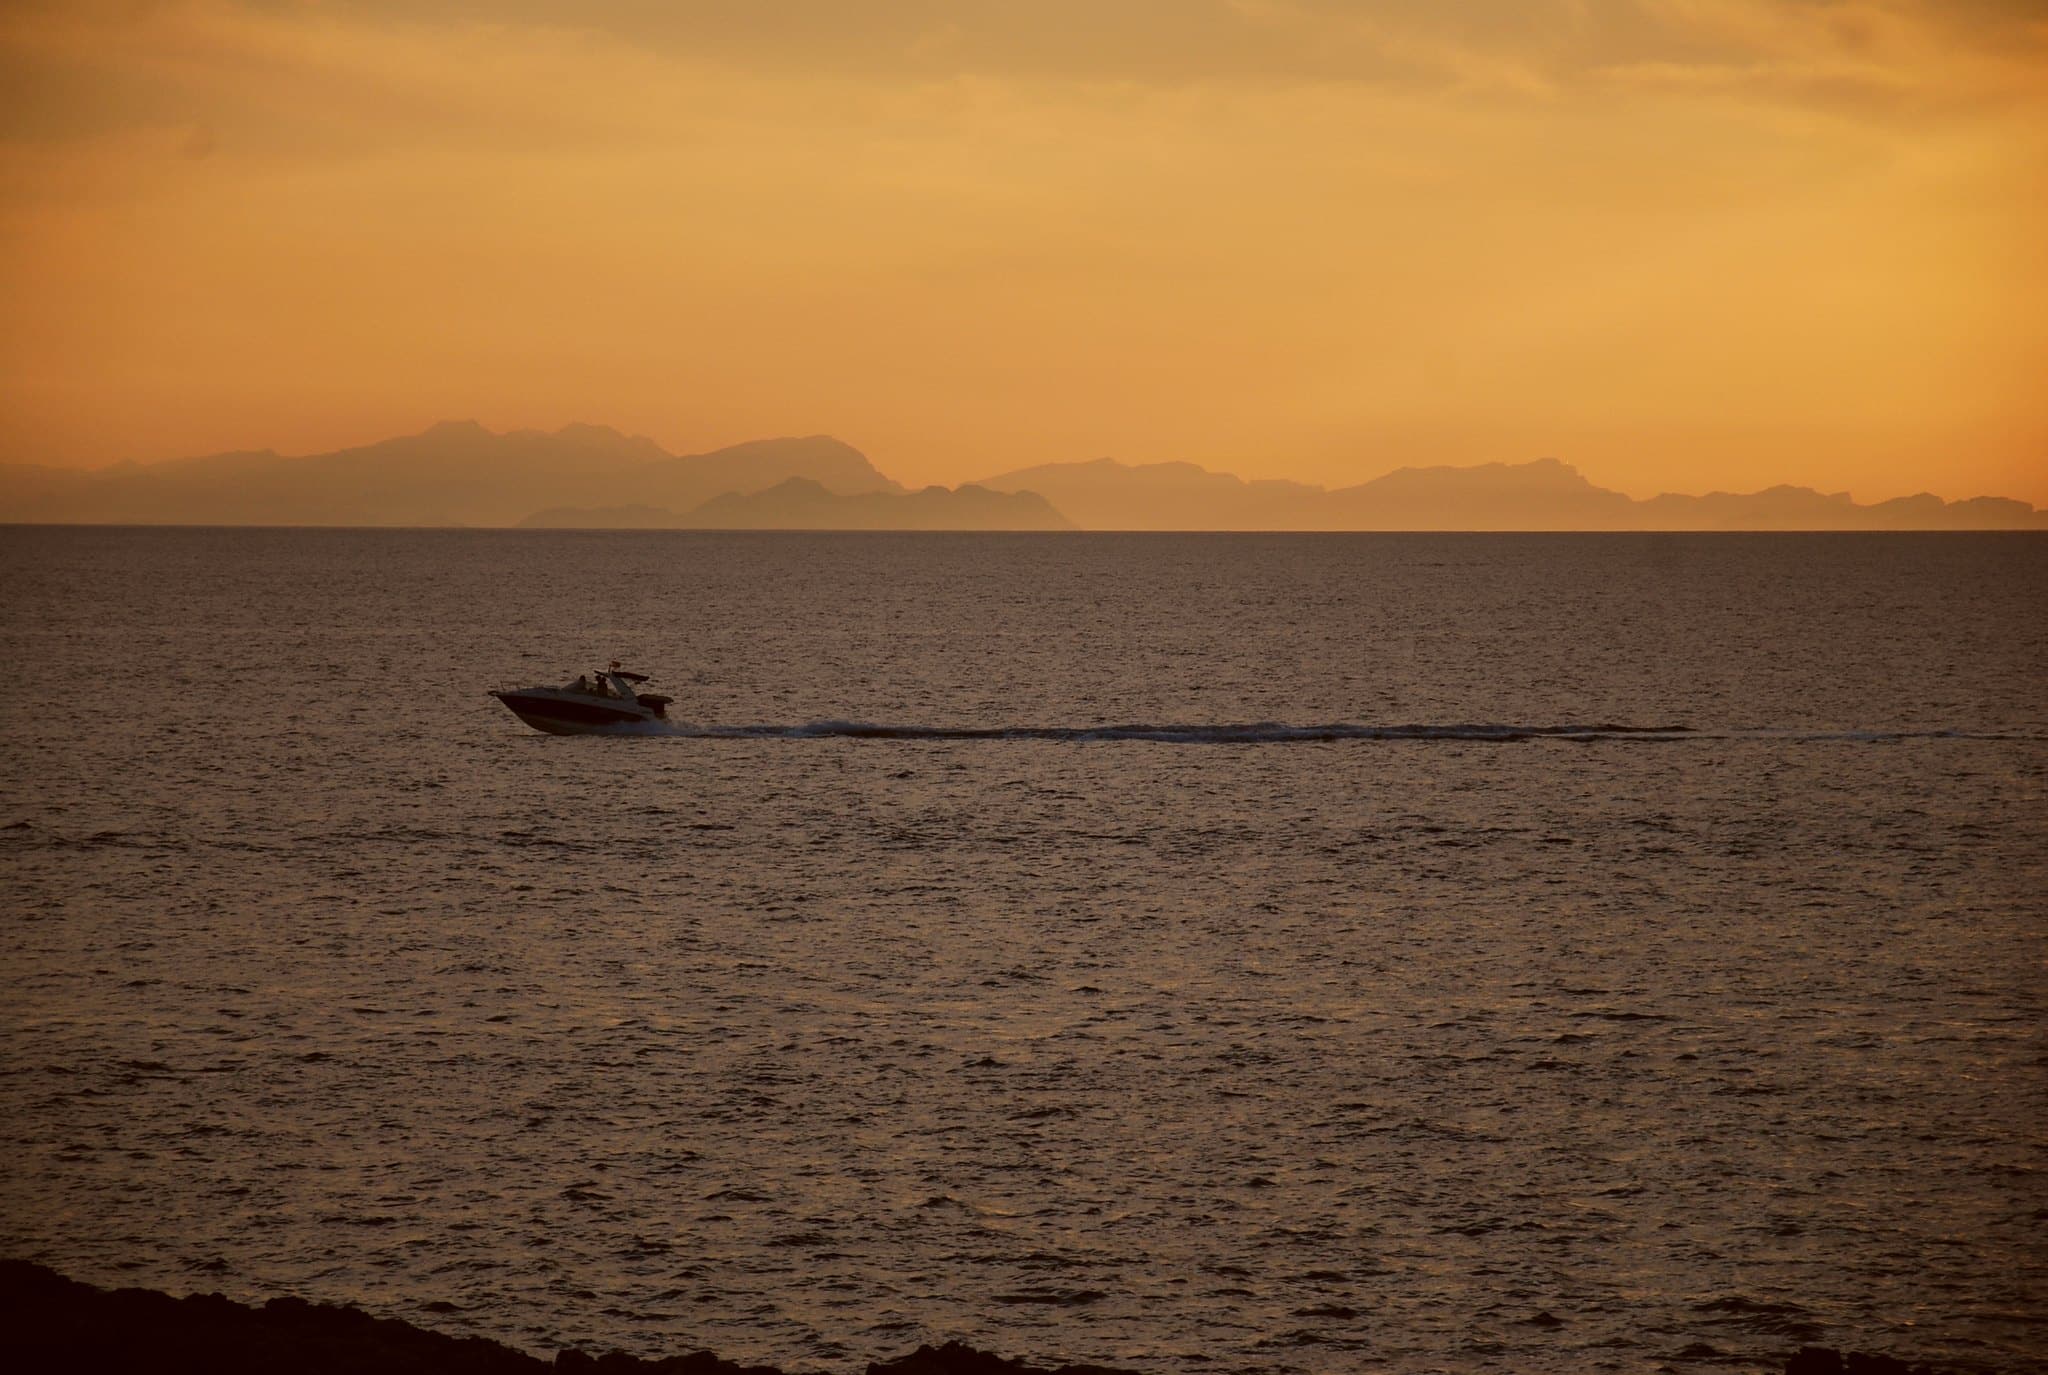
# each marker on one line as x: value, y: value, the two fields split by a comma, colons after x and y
x: 1466, y: 1047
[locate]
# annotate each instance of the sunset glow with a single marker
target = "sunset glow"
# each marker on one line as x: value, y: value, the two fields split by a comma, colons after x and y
x: 1682, y: 244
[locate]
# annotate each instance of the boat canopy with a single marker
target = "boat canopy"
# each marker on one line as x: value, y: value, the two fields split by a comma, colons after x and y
x: 602, y: 684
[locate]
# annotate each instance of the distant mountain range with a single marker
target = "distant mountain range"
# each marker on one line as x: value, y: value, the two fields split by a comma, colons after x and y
x: 456, y: 473
x: 594, y: 477
x: 1541, y: 495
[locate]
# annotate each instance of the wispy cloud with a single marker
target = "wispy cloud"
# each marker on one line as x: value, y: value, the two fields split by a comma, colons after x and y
x: 1869, y: 54
x: 328, y: 77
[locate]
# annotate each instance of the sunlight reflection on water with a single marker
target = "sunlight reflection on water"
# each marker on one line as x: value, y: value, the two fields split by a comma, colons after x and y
x: 325, y: 976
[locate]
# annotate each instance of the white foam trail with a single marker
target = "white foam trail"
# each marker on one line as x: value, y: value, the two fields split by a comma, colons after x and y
x: 1871, y: 737
x: 1254, y: 733
x: 1280, y: 733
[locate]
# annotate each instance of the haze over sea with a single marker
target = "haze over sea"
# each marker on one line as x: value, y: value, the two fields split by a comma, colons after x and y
x: 1514, y: 1042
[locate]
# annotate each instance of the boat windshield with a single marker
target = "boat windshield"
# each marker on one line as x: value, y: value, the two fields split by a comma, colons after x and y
x: 602, y: 684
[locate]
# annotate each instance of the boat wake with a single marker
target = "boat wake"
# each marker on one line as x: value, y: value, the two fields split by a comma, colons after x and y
x: 1281, y: 733
x: 1256, y: 733
x: 611, y: 703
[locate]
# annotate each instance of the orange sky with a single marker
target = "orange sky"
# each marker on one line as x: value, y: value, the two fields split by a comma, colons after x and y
x: 1684, y: 244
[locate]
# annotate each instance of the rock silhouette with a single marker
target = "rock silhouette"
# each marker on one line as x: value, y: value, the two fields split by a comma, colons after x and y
x: 54, y: 1323
x: 57, y: 1324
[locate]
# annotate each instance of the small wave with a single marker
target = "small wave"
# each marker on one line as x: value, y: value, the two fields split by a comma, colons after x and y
x: 28, y: 835
x: 1052, y: 1298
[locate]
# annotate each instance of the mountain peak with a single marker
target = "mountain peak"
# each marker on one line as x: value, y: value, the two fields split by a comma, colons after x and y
x: 758, y: 464
x: 1543, y: 469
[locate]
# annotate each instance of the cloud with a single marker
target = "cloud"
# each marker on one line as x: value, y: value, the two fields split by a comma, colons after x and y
x: 1527, y: 46
x: 1873, y: 55
x: 1193, y: 221
x: 326, y: 78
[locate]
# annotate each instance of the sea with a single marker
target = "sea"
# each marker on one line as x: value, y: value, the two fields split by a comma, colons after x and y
x: 1188, y: 953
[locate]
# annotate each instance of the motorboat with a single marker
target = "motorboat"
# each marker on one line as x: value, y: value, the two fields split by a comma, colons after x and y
x: 605, y: 703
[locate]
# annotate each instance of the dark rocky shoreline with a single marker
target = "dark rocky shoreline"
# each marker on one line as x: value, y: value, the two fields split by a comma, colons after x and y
x: 56, y: 1324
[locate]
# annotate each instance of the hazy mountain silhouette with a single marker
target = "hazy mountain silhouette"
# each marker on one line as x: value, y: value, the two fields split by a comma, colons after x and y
x: 632, y: 516
x: 1802, y: 508
x: 683, y: 483
x: 1541, y: 495
x: 459, y: 473
x: 803, y: 504
x: 1107, y: 495
x: 456, y: 473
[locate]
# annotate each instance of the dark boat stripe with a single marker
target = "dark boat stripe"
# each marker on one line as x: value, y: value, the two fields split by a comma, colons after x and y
x: 562, y: 709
